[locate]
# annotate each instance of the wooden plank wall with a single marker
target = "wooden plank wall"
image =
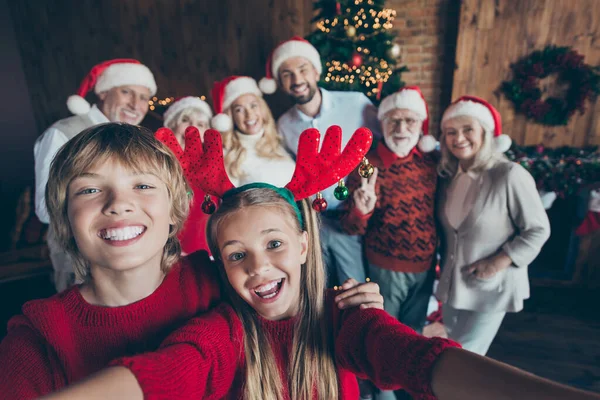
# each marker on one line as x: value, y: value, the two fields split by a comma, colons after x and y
x: 495, y: 33
x: 188, y: 44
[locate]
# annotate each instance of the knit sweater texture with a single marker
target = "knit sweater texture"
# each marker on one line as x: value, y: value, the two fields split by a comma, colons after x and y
x: 205, y: 358
x: 62, y: 339
x: 400, y: 233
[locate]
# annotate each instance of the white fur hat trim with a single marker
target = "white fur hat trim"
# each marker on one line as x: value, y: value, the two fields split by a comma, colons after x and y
x: 294, y: 48
x: 471, y: 109
x: 185, y: 103
x: 125, y: 74
x: 237, y: 88
x: 406, y: 99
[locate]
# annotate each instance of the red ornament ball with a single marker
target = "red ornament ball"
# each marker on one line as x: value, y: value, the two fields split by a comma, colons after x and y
x: 208, y: 206
x: 357, y: 60
x: 319, y: 204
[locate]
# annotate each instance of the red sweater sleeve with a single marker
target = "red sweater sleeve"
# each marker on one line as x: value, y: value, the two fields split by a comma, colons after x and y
x: 352, y: 221
x: 374, y: 345
x: 198, y: 361
x: 28, y: 368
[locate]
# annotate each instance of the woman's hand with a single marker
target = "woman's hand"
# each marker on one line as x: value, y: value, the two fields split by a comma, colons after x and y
x: 488, y: 267
x: 365, y: 295
x: 365, y: 196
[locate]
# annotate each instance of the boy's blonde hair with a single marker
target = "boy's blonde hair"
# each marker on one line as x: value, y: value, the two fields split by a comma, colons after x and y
x: 269, y: 146
x: 312, y: 364
x: 135, y: 148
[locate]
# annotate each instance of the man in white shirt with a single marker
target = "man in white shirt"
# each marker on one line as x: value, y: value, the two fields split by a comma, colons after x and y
x: 295, y: 67
x: 123, y: 88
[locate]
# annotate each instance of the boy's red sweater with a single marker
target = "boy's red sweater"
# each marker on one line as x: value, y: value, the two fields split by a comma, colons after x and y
x: 62, y: 339
x: 205, y: 358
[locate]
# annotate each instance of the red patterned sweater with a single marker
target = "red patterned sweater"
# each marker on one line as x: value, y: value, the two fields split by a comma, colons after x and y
x: 62, y: 339
x: 205, y: 358
x: 400, y: 234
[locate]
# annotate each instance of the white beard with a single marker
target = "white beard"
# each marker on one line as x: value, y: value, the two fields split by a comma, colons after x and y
x: 401, y: 148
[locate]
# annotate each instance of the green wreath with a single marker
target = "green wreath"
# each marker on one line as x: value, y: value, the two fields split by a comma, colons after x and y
x: 523, y: 90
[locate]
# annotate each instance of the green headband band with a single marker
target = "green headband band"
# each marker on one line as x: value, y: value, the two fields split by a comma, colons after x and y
x: 283, y: 192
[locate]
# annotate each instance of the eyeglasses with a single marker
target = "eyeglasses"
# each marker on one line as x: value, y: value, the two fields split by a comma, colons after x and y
x: 397, y: 122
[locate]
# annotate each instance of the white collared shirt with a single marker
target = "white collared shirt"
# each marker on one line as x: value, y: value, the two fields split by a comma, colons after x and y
x: 44, y: 150
x: 349, y: 110
x: 461, y: 196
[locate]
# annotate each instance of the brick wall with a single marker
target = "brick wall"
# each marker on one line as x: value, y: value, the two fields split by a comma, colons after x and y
x: 426, y: 32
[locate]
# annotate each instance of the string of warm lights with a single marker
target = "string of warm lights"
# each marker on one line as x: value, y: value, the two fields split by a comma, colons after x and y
x: 382, y: 19
x: 156, y: 102
x: 370, y: 72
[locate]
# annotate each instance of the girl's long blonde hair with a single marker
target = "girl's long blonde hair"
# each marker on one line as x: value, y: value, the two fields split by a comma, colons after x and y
x: 312, y: 366
x: 269, y: 146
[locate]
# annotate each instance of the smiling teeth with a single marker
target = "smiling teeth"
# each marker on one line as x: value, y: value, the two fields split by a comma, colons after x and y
x: 126, y: 233
x: 267, y: 287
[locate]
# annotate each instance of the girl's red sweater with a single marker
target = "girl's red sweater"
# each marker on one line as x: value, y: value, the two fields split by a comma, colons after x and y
x: 205, y: 358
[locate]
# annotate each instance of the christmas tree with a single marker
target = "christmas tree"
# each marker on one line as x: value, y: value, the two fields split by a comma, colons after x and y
x: 357, y: 47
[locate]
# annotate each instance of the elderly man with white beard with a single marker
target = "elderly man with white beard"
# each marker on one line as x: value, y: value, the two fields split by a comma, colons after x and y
x: 394, y: 210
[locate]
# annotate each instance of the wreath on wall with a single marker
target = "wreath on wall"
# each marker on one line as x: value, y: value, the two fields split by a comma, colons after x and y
x: 523, y: 90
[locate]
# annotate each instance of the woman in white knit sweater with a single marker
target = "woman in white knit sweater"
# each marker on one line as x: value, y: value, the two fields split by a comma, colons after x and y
x: 253, y: 149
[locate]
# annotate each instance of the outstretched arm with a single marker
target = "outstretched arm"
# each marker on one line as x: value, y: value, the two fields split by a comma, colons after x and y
x: 461, y: 375
x: 111, y: 383
x: 376, y: 346
x: 199, y: 360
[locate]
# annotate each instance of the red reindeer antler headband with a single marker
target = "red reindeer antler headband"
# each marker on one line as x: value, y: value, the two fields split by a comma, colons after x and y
x: 315, y: 170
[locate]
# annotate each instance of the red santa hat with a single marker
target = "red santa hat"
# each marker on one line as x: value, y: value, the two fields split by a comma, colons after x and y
x: 183, y: 103
x: 295, y: 47
x: 410, y: 98
x: 107, y: 75
x: 224, y: 93
x: 485, y: 113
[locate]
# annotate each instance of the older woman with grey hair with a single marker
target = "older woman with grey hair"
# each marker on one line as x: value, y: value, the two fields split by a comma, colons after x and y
x: 187, y: 111
x: 493, y: 221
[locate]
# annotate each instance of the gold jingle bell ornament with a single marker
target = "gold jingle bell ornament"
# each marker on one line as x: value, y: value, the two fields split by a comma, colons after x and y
x: 366, y: 169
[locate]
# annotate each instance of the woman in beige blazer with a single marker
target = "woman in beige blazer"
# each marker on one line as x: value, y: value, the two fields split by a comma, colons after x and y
x: 493, y: 221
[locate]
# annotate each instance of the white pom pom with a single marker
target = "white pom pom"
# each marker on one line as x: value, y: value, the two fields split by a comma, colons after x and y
x: 221, y: 122
x: 427, y: 143
x: 502, y: 143
x: 78, y: 105
x: 267, y: 85
x: 547, y: 199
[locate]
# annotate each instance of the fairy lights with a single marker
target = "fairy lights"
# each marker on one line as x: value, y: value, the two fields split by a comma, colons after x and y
x: 155, y: 102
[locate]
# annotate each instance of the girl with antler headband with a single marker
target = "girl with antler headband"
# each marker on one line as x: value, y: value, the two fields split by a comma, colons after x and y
x: 117, y: 198
x: 280, y: 337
